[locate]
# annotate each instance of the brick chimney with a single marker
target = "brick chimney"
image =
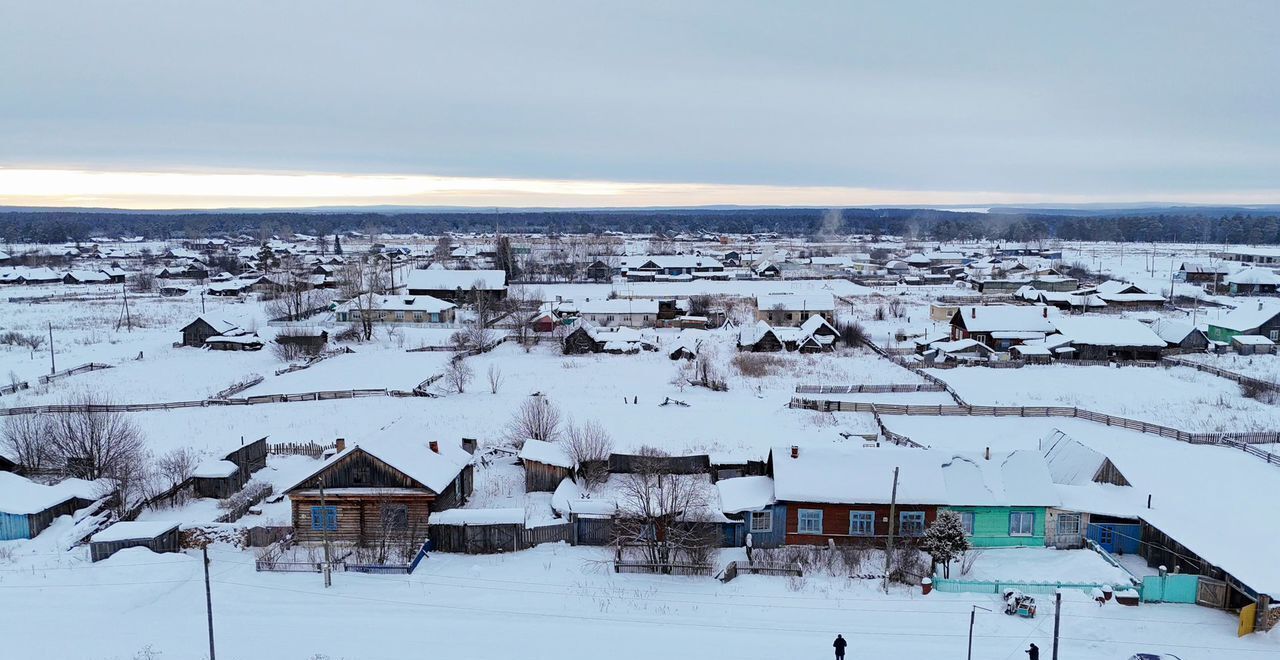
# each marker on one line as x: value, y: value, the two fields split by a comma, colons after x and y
x: 1045, y: 312
x: 469, y: 445
x: 795, y: 451
x: 340, y: 444
x: 973, y: 312
x: 434, y: 446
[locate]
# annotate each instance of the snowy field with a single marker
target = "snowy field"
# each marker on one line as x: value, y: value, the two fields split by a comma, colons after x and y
x: 1262, y: 367
x: 1042, y: 565
x: 550, y: 602
x: 1180, y: 397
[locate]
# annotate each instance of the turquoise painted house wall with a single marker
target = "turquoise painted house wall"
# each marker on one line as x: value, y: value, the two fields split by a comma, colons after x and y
x: 991, y: 526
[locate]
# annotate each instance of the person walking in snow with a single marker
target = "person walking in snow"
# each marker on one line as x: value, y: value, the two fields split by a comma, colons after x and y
x: 839, y: 645
x: 1033, y: 653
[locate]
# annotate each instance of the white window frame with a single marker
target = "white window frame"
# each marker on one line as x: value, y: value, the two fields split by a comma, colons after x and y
x: 1274, y: 335
x: 1022, y: 516
x: 757, y: 517
x: 967, y: 520
x: 1064, y: 517
x: 815, y: 515
x: 862, y: 516
x: 902, y: 518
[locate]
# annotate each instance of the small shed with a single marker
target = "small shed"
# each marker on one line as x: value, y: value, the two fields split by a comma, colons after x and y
x: 219, y: 479
x: 27, y: 507
x: 546, y: 464
x: 311, y: 341
x: 1253, y: 345
x: 197, y: 332
x: 157, y: 536
x: 1032, y: 353
x: 234, y: 343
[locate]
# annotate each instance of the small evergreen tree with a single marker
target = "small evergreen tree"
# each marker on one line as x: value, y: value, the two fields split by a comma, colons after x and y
x: 945, y: 540
x: 337, y: 246
x: 266, y: 258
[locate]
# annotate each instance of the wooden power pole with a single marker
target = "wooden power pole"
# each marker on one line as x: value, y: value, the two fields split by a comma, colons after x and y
x: 208, y: 600
x: 888, y: 548
x: 1057, y: 619
x: 324, y: 531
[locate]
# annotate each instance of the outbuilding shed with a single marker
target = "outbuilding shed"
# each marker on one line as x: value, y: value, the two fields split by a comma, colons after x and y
x: 157, y: 536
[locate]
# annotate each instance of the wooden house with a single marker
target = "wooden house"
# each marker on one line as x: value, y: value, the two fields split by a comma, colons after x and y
x: 545, y: 464
x: 1110, y: 338
x: 759, y: 338
x: 1260, y: 319
x: 1001, y: 326
x: 1202, y: 273
x: 1253, y: 281
x: 1180, y: 335
x: 1124, y: 296
x: 844, y: 495
x: 1080, y: 471
x: 458, y: 286
x: 599, y: 271
x: 156, y: 536
x: 197, y: 332
x: 793, y: 309
x: 388, y: 485
x: 1001, y: 497
x: 27, y: 507
x: 1253, y: 345
x: 312, y: 342
x: 586, y: 337
x: 751, y: 501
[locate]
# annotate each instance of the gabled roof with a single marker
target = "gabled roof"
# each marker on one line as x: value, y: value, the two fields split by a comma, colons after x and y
x: 411, y: 456
x: 1107, y: 331
x: 988, y: 318
x: 1253, y: 275
x: 857, y: 475
x: 221, y: 327
x: 1248, y: 316
x: 1172, y: 331
x: 548, y: 453
x: 441, y: 279
x: 809, y: 301
x: 1016, y: 478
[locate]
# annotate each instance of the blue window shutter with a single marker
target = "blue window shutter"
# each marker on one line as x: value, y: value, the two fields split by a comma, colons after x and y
x: 331, y: 518
x: 317, y: 518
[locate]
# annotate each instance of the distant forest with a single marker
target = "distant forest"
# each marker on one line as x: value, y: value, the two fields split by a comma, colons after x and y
x: 1198, y: 226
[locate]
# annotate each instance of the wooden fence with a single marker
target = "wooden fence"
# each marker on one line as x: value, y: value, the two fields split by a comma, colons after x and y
x: 326, y: 395
x: 311, y: 362
x: 312, y: 449
x: 84, y: 368
x: 391, y: 569
x: 1226, y: 438
x: 869, y: 389
x: 661, y: 568
x: 490, y: 539
x: 237, y: 388
x: 1244, y: 380
x: 14, y: 388
x: 736, y: 568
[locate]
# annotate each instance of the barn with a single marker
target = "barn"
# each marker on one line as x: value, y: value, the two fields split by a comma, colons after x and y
x: 546, y: 464
x: 27, y: 507
x: 225, y: 477
x: 157, y: 536
x: 197, y: 332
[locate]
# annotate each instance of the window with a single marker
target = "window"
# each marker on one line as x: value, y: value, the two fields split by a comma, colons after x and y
x: 435, y: 317
x: 360, y: 475
x: 324, y: 518
x: 1068, y: 524
x: 810, y: 521
x: 862, y: 523
x: 399, y: 316
x: 417, y: 317
x: 761, y: 521
x: 1022, y: 523
x: 1274, y: 335
x: 395, y: 516
x: 911, y: 523
x: 966, y: 521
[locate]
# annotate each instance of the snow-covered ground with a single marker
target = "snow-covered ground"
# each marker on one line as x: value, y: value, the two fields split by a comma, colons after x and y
x: 1180, y: 397
x: 1042, y: 565
x: 1262, y: 367
x: 550, y: 602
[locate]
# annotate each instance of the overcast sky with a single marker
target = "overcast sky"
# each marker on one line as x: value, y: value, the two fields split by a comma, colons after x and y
x: 821, y: 103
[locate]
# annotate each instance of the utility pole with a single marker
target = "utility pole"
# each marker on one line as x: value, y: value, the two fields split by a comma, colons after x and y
x: 53, y: 367
x: 972, y: 615
x: 128, y: 318
x: 888, y: 548
x: 324, y: 531
x: 1057, y: 619
x: 202, y: 303
x: 208, y: 600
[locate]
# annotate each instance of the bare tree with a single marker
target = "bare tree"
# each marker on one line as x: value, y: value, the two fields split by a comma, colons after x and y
x: 589, y: 445
x: 443, y: 250
x: 473, y: 336
x: 663, y: 517
x: 365, y: 281
x: 25, y: 440
x: 495, y: 378
x: 293, y: 300
x: 538, y: 419
x: 92, y: 444
x: 458, y: 374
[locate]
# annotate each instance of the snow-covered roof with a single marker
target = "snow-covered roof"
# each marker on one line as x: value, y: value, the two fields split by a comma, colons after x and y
x: 1248, y: 316
x: 412, y: 456
x: 21, y: 496
x: 812, y: 301
x: 961, y: 345
x: 234, y: 339
x: 988, y: 318
x: 128, y: 530
x: 222, y: 327
x: 549, y: 453
x: 1070, y: 462
x: 1016, y: 478
x: 1252, y: 340
x: 618, y: 306
x: 1171, y: 330
x: 88, y: 276
x: 1253, y: 275
x: 440, y: 279
x: 418, y: 303
x: 1030, y: 349
x: 745, y: 494
x: 569, y: 498
x: 669, y: 261
x: 1107, y: 331
x: 509, y: 516
x: 857, y: 475
x: 215, y: 469
x: 815, y: 323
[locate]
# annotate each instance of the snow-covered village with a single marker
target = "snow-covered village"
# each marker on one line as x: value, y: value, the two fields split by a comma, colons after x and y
x: 580, y: 330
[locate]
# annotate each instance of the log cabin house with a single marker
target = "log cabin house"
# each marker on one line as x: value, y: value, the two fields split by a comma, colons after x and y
x: 384, y: 485
x: 1001, y: 326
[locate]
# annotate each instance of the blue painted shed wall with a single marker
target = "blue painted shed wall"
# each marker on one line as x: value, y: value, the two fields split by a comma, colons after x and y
x: 775, y: 537
x: 1115, y: 537
x: 14, y: 526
